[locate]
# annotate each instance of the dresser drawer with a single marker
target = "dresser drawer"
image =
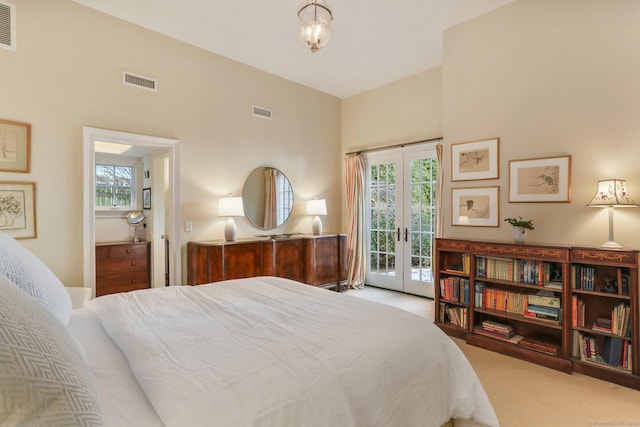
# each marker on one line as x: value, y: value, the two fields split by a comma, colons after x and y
x: 111, y: 265
x: 121, y: 282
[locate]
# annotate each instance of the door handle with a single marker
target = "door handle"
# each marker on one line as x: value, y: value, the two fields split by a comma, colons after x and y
x: 398, y: 234
x: 406, y: 234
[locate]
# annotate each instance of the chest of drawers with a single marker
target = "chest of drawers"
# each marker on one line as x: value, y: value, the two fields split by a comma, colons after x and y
x: 122, y: 267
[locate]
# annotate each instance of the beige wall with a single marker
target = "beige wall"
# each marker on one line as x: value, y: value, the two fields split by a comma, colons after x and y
x: 403, y: 111
x: 66, y: 74
x: 550, y: 78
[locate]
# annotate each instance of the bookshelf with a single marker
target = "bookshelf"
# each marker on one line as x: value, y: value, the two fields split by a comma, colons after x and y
x: 604, y: 323
x: 453, y: 278
x: 568, y: 308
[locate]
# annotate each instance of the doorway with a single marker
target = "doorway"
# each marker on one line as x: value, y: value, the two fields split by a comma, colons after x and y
x: 401, y: 193
x: 163, y: 220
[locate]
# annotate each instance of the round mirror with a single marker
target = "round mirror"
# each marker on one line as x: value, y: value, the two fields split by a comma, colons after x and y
x: 135, y: 219
x: 267, y: 197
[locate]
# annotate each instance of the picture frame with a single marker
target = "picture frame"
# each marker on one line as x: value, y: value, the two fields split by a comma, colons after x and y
x: 18, y: 209
x: 544, y: 180
x: 15, y: 146
x: 475, y: 160
x: 475, y: 206
x: 146, y: 198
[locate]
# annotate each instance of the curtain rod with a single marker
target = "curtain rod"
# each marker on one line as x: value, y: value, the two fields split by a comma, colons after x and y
x: 388, y: 147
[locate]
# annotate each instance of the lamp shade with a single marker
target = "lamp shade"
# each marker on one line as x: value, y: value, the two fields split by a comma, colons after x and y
x: 316, y: 207
x: 315, y: 17
x: 612, y: 192
x: 230, y: 206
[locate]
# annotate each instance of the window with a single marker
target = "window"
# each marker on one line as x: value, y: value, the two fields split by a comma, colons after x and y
x: 114, y: 186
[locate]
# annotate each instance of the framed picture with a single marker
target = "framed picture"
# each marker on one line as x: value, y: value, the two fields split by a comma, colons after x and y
x: 15, y: 146
x: 146, y: 198
x: 475, y: 160
x: 18, y: 209
x: 545, y: 179
x: 475, y: 207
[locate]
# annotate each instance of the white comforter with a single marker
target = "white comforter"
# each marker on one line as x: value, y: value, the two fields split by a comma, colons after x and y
x: 272, y: 352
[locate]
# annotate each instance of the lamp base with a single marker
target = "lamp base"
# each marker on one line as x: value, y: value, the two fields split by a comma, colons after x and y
x: 611, y: 244
x: 317, y: 226
x: 230, y: 230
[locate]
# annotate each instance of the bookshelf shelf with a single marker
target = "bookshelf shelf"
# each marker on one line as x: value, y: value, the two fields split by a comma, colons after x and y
x: 550, y: 305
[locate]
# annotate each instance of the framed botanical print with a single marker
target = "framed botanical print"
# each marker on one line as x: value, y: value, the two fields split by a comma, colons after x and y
x: 475, y: 207
x: 475, y: 160
x: 18, y: 209
x: 545, y: 179
x: 15, y: 146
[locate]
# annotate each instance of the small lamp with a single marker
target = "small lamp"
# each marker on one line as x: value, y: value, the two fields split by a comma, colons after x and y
x: 612, y: 193
x: 316, y: 207
x: 230, y: 206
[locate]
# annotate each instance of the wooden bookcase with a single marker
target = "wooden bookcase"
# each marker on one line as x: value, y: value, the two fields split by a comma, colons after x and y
x: 453, y: 280
x: 576, y: 287
x: 604, y: 323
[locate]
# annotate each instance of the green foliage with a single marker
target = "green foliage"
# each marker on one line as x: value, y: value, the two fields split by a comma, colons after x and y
x: 519, y: 222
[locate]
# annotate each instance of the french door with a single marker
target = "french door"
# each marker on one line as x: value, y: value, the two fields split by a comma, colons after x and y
x: 401, y: 193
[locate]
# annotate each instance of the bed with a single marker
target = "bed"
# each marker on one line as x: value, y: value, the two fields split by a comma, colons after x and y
x: 263, y: 351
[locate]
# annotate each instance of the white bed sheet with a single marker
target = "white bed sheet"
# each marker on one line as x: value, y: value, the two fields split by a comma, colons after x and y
x: 122, y: 401
x: 271, y: 352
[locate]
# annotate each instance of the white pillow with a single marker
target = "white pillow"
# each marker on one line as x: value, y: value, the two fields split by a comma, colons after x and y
x: 33, y: 277
x: 44, y: 380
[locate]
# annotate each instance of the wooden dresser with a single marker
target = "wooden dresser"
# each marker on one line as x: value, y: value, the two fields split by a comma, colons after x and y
x: 315, y: 260
x: 122, y: 267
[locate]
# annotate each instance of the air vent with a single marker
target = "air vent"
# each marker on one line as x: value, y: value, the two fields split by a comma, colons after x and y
x: 265, y: 113
x: 141, y: 82
x: 7, y: 25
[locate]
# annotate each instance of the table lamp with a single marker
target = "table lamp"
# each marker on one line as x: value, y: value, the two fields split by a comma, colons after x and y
x: 316, y: 207
x: 612, y: 193
x: 230, y: 206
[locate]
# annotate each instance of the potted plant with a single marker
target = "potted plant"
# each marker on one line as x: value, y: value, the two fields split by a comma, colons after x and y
x: 520, y: 227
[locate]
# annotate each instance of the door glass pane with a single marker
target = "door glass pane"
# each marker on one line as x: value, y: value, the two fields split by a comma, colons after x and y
x: 423, y: 187
x: 383, y: 220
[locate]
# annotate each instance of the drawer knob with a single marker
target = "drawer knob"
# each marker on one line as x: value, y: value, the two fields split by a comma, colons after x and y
x: 128, y: 251
x: 133, y: 263
x: 133, y: 280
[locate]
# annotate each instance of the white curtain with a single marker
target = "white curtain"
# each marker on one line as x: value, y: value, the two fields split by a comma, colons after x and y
x: 354, y: 168
x: 439, y: 190
x: 270, y: 198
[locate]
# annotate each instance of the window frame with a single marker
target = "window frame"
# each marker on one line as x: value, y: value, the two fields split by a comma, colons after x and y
x: 113, y: 160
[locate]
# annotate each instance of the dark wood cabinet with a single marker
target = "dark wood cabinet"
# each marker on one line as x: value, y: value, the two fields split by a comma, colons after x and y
x: 122, y: 267
x: 315, y: 260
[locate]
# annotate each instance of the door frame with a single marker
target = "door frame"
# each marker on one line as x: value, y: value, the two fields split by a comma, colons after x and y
x: 172, y: 146
x: 400, y: 154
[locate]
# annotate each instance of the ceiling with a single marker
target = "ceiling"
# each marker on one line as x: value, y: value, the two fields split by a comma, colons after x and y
x: 373, y: 42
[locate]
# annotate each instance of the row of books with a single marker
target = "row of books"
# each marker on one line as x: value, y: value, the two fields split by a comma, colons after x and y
x: 464, y: 266
x: 455, y: 315
x: 586, y: 278
x: 619, y: 324
x: 542, y: 306
x: 519, y: 270
x: 455, y: 289
x: 615, y: 352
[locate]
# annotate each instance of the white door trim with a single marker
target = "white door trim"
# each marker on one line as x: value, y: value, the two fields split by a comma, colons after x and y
x: 90, y: 135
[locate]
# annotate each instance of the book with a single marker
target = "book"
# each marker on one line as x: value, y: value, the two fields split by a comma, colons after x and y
x: 543, y: 299
x: 612, y: 351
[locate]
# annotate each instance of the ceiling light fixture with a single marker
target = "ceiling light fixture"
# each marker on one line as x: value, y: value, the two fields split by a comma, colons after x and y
x: 315, y: 17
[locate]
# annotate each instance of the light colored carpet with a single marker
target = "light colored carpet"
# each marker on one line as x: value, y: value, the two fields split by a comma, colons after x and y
x: 528, y: 395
